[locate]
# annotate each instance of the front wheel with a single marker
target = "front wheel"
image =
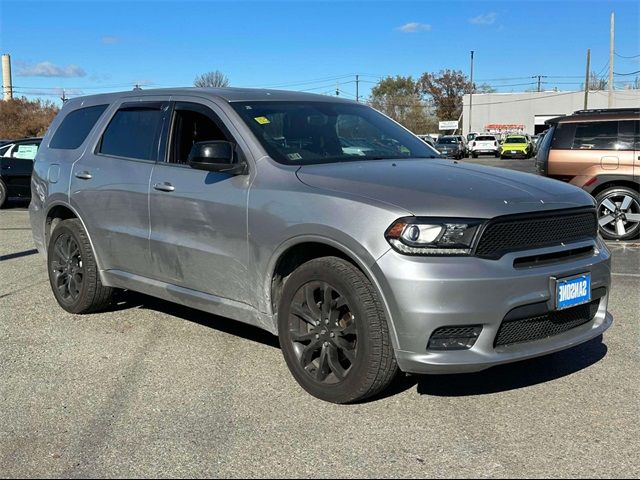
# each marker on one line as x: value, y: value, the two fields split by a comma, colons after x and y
x: 619, y: 213
x: 333, y: 332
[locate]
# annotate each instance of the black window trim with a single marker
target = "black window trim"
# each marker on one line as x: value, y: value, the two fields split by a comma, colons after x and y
x: 133, y: 105
x: 167, y: 131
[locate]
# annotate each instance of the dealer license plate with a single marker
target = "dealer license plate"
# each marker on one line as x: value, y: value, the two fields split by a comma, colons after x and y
x: 573, y: 291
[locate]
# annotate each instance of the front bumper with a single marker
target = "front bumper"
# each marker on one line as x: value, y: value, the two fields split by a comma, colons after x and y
x: 423, y: 294
x: 514, y: 154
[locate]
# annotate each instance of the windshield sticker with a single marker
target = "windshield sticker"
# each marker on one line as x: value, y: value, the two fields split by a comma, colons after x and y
x: 294, y: 156
x: 262, y: 120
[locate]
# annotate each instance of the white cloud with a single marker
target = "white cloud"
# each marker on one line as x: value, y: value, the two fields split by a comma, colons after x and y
x: 413, y: 27
x: 48, y: 69
x: 110, y: 40
x: 486, y: 19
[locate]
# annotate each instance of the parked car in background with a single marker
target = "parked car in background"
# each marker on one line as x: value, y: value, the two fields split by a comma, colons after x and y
x: 428, y: 139
x: 599, y: 151
x: 361, y: 264
x: 471, y: 136
x: 515, y: 146
x: 485, y: 145
x: 16, y: 165
x: 465, y: 145
x: 450, y: 146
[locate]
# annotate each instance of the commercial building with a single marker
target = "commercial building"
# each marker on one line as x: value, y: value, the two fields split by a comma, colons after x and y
x: 527, y: 111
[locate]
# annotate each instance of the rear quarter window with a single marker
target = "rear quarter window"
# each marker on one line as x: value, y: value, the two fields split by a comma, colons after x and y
x: 75, y: 127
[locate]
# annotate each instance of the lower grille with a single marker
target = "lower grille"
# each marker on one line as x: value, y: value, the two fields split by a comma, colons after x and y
x: 545, y: 325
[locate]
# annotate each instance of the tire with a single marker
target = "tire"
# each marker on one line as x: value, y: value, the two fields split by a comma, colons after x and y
x: 3, y: 194
x: 474, y: 155
x: 496, y: 155
x: 75, y: 282
x: 348, y: 357
x: 620, y: 205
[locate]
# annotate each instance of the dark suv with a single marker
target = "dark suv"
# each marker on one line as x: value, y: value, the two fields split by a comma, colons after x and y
x: 16, y: 165
x: 599, y: 151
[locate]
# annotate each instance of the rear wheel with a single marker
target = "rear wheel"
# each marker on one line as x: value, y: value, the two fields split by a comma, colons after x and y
x: 73, y: 273
x: 619, y: 213
x: 474, y: 155
x: 333, y: 332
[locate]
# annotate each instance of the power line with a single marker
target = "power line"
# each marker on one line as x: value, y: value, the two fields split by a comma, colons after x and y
x: 627, y: 74
x: 623, y: 56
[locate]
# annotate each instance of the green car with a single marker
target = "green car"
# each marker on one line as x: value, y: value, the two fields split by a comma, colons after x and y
x: 515, y: 146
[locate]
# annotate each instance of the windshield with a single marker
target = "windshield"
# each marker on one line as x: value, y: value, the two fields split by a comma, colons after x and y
x: 306, y: 133
x: 515, y: 140
x: 448, y: 141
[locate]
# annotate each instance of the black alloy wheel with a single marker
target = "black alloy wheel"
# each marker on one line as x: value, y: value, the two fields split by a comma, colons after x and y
x: 67, y: 268
x: 323, y: 331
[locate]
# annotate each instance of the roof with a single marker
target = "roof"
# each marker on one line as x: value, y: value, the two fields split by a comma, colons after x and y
x: 598, y: 114
x: 227, y: 94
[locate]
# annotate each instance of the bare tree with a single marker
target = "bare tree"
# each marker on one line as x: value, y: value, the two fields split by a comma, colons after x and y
x: 25, y: 118
x: 211, y: 79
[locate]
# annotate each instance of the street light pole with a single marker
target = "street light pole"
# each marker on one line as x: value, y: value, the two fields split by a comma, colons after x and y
x: 471, y: 93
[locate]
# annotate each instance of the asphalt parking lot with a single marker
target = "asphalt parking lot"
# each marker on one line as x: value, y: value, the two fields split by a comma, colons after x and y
x: 154, y: 389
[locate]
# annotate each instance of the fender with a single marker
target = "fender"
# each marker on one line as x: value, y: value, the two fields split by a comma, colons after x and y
x: 364, y: 261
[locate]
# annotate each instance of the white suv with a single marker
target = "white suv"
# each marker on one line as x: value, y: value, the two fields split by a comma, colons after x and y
x: 485, y: 145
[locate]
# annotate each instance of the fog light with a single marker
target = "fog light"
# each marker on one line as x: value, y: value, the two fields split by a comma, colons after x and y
x: 454, y: 337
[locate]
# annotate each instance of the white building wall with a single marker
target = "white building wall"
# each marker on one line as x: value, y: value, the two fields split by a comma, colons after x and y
x: 522, y: 108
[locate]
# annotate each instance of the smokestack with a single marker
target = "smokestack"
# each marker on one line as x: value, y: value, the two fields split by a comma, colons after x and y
x: 6, y: 77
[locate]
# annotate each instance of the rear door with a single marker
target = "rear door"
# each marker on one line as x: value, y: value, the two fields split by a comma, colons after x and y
x: 110, y: 184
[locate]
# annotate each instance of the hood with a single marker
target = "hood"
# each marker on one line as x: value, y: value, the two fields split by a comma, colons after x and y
x: 445, y: 188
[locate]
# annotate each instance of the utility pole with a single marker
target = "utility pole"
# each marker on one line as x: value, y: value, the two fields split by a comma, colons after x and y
x: 471, y: 93
x: 6, y: 77
x: 337, y: 88
x: 539, y: 77
x: 611, y: 37
x: 586, y: 80
x: 63, y: 97
x: 358, y: 88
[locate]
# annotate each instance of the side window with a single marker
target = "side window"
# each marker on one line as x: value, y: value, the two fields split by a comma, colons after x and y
x: 192, y: 124
x: 563, y: 136
x: 133, y: 133
x: 25, y: 151
x: 626, y: 135
x: 75, y: 127
x: 596, y: 136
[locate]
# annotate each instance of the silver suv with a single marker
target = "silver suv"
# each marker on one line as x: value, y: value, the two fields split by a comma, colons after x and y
x: 321, y: 221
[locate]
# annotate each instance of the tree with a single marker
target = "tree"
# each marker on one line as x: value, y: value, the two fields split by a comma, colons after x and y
x: 25, y: 118
x: 483, y: 88
x: 211, y: 79
x: 596, y: 83
x: 399, y: 99
x: 445, y: 89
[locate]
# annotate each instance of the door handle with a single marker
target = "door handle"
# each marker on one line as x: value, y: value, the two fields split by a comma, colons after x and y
x: 164, y: 187
x: 84, y: 175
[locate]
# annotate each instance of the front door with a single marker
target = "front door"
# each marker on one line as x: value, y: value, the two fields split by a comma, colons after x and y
x: 199, y: 218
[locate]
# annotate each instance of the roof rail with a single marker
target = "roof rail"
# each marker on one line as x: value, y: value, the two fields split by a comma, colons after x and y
x: 607, y: 110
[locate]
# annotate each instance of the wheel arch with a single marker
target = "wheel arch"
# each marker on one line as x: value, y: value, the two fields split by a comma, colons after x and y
x: 58, y: 211
x: 293, y: 253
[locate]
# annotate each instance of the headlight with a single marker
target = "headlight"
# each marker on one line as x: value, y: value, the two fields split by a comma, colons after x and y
x: 433, y: 236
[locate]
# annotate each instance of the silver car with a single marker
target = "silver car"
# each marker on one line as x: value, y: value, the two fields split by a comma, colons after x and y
x: 321, y: 221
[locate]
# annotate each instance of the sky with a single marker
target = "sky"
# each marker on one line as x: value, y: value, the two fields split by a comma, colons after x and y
x: 96, y: 46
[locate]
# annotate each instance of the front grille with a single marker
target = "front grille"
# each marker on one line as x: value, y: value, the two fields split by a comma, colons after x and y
x: 517, y: 232
x: 545, y: 325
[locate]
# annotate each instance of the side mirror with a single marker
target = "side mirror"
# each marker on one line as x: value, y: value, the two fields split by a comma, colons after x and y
x: 215, y: 156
